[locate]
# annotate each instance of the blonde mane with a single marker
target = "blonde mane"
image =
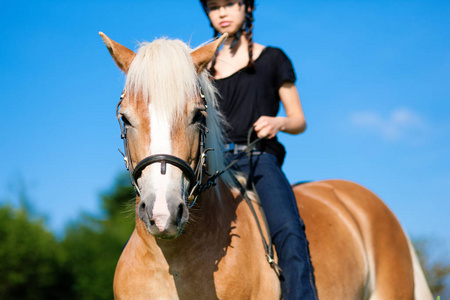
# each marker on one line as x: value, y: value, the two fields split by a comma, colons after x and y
x: 163, y: 72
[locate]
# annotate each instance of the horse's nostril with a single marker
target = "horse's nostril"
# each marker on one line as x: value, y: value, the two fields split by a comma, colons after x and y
x: 180, y: 213
x: 142, y: 206
x: 144, y: 215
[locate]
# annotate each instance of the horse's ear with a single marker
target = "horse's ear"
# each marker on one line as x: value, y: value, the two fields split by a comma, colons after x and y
x: 121, y: 54
x: 205, y: 54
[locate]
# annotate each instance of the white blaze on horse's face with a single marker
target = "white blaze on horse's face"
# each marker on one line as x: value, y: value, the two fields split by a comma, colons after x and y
x: 163, y: 198
x: 161, y: 143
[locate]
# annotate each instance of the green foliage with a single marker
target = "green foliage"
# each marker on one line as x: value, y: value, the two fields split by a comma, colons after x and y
x: 32, y: 263
x: 35, y: 265
x: 94, y: 245
x: 93, y: 255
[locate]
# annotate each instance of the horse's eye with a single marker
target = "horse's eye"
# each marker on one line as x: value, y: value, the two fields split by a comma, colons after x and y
x: 125, y: 120
x: 199, y: 115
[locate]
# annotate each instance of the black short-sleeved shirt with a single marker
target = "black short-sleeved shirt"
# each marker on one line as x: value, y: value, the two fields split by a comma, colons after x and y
x: 245, y: 96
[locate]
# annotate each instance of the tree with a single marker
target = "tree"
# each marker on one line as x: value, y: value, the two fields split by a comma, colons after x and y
x: 32, y: 263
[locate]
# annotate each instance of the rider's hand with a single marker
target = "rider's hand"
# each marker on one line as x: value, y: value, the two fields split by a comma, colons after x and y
x: 268, y: 127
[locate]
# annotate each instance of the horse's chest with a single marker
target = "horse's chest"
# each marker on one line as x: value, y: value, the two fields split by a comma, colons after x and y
x: 198, y: 277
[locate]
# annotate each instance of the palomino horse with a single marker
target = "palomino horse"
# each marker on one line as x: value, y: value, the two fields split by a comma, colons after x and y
x: 211, y: 249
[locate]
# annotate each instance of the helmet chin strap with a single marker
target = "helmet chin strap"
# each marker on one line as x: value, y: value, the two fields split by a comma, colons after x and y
x: 236, y: 38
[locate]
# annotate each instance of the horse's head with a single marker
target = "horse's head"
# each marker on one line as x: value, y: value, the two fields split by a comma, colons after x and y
x: 163, y: 111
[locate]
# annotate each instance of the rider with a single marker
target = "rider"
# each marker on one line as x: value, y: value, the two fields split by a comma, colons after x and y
x: 251, y: 80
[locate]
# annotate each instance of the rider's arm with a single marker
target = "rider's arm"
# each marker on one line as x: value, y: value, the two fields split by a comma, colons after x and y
x: 293, y: 123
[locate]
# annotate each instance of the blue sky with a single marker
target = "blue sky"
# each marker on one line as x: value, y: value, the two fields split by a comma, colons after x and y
x: 373, y: 76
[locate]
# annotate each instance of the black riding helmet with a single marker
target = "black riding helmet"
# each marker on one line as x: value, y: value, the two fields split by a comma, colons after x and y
x: 247, y: 3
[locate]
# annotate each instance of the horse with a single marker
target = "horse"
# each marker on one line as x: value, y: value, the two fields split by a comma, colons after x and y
x: 196, y: 238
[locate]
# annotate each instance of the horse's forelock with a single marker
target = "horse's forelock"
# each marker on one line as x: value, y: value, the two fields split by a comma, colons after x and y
x: 163, y: 74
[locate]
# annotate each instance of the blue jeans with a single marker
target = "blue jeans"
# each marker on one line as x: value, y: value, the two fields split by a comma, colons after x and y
x: 286, y: 226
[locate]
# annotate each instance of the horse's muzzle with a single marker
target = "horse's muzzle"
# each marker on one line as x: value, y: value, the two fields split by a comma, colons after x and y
x: 165, y: 224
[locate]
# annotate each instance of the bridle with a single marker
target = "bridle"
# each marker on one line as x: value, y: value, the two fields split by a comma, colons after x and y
x: 195, y: 178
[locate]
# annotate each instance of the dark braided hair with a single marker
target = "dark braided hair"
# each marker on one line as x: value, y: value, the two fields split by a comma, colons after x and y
x: 249, y: 36
x: 247, y: 27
